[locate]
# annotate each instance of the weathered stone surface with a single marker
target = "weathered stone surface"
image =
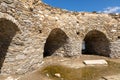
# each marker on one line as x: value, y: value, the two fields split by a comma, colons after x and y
x: 57, y: 75
x: 113, y: 77
x: 95, y: 62
x: 20, y: 57
x: 30, y: 29
x: 115, y: 48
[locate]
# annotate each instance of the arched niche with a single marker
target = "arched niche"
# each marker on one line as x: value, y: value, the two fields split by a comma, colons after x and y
x: 96, y: 43
x: 57, y: 39
x: 8, y: 30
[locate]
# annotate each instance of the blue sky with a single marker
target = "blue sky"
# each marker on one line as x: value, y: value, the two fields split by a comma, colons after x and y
x: 106, y: 6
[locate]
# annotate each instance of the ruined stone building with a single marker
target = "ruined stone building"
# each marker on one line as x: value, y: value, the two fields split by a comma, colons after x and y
x: 31, y: 30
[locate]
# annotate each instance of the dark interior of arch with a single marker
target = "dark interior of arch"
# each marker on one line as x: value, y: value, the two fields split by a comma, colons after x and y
x: 96, y: 43
x: 7, y: 31
x: 56, y: 39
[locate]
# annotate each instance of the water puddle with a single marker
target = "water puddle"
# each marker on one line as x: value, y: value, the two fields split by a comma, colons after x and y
x: 58, y: 72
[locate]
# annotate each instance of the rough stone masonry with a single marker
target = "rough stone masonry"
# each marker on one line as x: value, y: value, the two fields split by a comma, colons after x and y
x: 31, y: 30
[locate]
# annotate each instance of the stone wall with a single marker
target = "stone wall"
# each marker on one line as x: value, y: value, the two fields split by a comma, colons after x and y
x: 115, y: 49
x: 40, y: 30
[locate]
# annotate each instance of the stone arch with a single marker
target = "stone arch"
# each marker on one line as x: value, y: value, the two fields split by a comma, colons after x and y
x: 8, y: 30
x: 96, y: 43
x: 9, y: 17
x: 57, y: 39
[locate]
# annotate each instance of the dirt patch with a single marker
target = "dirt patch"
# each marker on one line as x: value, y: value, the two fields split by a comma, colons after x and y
x: 85, y: 73
x: 73, y: 69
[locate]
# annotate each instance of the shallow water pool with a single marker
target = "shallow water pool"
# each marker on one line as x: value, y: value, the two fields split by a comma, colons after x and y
x: 86, y: 73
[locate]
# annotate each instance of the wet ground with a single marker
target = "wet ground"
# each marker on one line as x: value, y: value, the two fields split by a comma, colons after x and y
x: 57, y: 68
x: 59, y: 72
x: 72, y: 68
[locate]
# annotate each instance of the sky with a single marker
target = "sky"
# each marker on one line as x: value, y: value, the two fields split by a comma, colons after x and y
x: 104, y: 6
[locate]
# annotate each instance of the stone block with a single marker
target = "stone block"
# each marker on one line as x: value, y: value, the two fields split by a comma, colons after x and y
x: 95, y: 62
x: 113, y: 77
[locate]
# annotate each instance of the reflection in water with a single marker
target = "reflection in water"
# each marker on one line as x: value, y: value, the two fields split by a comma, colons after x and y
x: 86, y: 73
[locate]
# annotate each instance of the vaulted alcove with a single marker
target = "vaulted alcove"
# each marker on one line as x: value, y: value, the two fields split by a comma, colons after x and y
x: 56, y: 39
x: 96, y: 43
x: 8, y: 30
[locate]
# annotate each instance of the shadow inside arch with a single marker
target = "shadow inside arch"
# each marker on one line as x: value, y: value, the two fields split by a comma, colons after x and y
x: 8, y: 30
x: 96, y: 43
x: 56, y: 39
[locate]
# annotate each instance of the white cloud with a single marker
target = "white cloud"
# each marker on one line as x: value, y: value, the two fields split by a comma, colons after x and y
x: 111, y: 10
